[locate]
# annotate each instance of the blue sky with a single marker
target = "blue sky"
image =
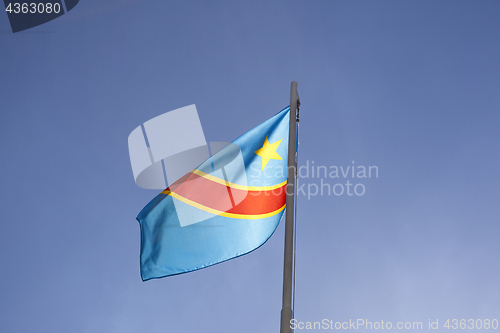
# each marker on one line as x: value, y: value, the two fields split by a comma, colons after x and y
x: 408, y: 86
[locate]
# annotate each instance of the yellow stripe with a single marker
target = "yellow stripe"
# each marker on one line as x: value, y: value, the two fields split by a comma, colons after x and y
x: 221, y: 213
x: 237, y: 186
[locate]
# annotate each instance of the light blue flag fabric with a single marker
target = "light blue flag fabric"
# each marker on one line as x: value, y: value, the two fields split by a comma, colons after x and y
x: 228, y: 206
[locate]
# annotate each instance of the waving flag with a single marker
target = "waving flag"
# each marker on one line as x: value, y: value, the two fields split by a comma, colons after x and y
x: 228, y: 206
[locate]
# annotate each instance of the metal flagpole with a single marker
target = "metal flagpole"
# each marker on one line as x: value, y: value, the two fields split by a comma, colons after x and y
x: 286, y: 309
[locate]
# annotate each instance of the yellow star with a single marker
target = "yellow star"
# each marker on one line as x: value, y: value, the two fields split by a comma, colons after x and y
x: 268, y: 152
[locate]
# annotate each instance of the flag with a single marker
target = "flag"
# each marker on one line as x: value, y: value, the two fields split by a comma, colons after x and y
x: 227, y: 207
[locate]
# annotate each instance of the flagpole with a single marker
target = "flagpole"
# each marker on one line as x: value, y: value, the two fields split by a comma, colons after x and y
x: 286, y: 309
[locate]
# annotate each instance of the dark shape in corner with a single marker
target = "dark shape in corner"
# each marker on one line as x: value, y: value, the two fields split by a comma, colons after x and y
x: 22, y: 21
x: 70, y: 4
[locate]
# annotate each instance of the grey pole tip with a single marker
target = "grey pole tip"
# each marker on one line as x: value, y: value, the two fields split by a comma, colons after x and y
x: 286, y: 311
